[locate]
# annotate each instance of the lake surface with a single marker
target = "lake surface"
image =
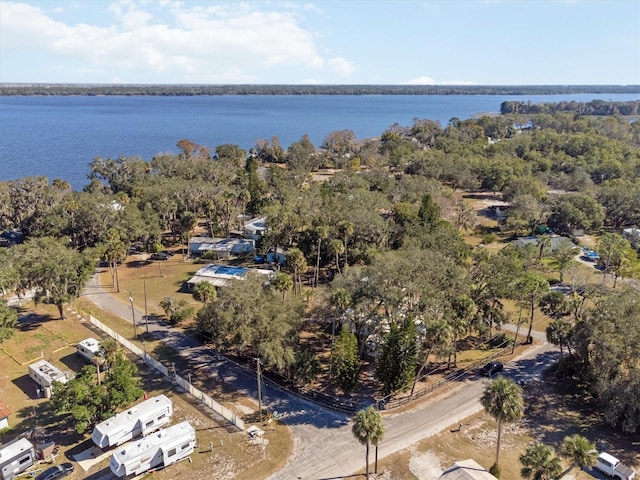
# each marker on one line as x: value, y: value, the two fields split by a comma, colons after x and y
x: 59, y: 136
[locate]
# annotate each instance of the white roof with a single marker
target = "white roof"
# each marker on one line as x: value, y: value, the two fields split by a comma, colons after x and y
x: 151, y: 443
x: 220, y: 275
x: 609, y: 458
x: 90, y: 344
x: 466, y: 470
x: 255, y: 224
x: 120, y: 420
x: 225, y: 244
x: 48, y: 371
x: 13, y: 448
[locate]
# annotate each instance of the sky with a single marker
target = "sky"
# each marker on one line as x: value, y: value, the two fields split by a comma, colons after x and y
x: 428, y: 42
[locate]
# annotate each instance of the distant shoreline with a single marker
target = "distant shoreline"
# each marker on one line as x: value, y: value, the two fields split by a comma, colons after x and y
x: 67, y: 89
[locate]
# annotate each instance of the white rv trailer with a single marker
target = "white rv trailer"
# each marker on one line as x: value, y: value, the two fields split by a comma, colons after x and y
x: 16, y: 457
x: 162, y: 448
x: 44, y: 374
x: 140, y: 419
x: 89, y: 348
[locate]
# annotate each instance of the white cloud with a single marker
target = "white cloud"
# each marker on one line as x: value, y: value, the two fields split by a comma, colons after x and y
x: 430, y: 81
x: 211, y: 43
x: 420, y: 81
x: 341, y: 66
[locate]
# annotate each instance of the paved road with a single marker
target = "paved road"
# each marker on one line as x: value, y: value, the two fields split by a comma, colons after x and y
x: 323, y: 445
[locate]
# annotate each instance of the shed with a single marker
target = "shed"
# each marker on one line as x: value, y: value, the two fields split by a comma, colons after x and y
x: 223, y: 247
x: 196, y: 242
x: 4, y: 416
x: 466, y: 470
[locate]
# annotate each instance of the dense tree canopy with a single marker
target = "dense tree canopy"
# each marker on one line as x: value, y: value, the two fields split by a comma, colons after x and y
x: 384, y: 233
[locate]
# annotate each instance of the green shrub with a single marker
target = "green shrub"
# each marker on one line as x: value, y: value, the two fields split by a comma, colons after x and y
x: 488, y: 238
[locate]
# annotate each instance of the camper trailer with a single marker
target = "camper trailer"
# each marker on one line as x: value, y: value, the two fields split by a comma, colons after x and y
x: 44, y: 374
x: 140, y: 419
x: 89, y: 348
x: 16, y: 457
x: 160, y: 449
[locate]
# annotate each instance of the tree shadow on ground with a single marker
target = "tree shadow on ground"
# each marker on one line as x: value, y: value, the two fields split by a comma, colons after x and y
x: 31, y: 321
x: 556, y: 408
x: 73, y: 362
x: 28, y: 386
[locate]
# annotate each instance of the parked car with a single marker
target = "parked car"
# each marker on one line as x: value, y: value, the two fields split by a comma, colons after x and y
x: 160, y: 256
x: 491, y: 368
x: 56, y: 471
x: 614, y: 468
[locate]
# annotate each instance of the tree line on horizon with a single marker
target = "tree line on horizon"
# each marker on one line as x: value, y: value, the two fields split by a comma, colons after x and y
x: 62, y: 89
x: 385, y: 235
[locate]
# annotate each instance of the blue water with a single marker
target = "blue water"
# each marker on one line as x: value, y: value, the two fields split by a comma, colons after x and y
x: 59, y: 136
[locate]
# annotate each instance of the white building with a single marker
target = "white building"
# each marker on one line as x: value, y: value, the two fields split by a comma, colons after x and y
x: 16, y: 457
x: 140, y: 419
x: 221, y: 275
x: 255, y: 228
x: 89, y: 348
x: 44, y: 374
x: 160, y: 449
x: 466, y: 470
x: 222, y: 247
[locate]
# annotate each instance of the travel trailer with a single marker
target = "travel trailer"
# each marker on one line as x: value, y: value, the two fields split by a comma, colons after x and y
x: 89, y: 348
x: 16, y: 457
x: 140, y: 419
x: 160, y: 449
x: 44, y: 374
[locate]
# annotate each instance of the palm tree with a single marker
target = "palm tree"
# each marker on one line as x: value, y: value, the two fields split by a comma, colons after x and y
x: 559, y: 333
x: 204, y: 292
x: 544, y: 243
x: 502, y: 399
x: 347, y: 229
x: 295, y: 258
x: 114, y: 251
x: 439, y: 333
x: 368, y: 428
x: 540, y: 463
x: 282, y: 283
x: 340, y: 299
x: 322, y: 232
x: 337, y: 248
x: 579, y: 451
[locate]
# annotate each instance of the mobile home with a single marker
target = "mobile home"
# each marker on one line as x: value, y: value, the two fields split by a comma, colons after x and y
x: 16, y: 457
x: 44, y: 374
x: 140, y: 419
x: 160, y: 449
x: 89, y: 348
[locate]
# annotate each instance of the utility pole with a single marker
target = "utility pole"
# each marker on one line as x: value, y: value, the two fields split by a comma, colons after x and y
x: 259, y: 389
x: 133, y: 315
x: 146, y: 317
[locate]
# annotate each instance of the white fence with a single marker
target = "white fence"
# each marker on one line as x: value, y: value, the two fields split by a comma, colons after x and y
x: 149, y: 360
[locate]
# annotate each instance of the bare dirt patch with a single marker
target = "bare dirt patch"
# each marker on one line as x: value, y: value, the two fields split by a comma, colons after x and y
x: 553, y: 411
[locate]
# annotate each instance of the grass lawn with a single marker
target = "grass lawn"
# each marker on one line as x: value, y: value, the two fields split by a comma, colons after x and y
x: 232, y: 456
